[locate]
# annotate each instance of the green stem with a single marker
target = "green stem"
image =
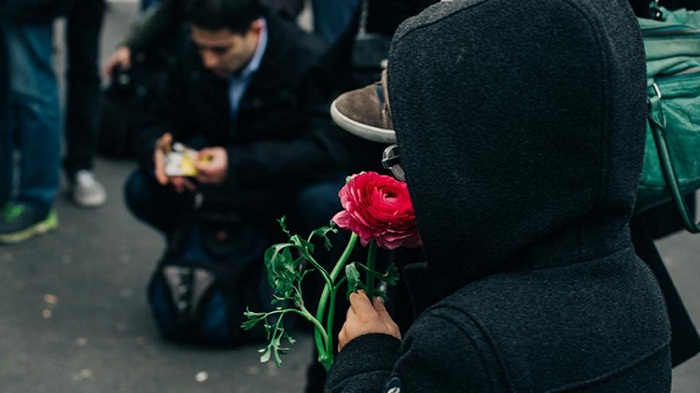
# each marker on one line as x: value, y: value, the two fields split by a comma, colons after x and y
x: 326, y: 277
x: 370, y: 267
x: 329, y: 320
x: 344, y: 258
x: 339, y: 283
x: 306, y: 314
x: 325, y: 352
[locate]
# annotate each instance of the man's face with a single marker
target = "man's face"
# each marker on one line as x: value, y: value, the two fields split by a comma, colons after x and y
x: 224, y: 52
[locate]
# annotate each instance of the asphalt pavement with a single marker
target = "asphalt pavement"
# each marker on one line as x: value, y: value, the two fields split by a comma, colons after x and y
x: 74, y: 317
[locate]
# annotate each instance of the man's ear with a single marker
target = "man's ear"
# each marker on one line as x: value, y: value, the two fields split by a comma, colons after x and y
x: 256, y: 26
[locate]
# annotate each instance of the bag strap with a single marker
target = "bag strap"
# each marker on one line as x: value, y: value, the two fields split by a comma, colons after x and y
x: 657, y: 121
x: 364, y: 15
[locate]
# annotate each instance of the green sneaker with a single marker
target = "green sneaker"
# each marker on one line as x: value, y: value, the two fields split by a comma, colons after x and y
x: 19, y: 222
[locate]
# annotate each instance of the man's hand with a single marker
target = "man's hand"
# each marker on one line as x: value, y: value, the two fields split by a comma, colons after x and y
x: 180, y: 184
x: 364, y: 317
x: 212, y: 165
x: 121, y: 57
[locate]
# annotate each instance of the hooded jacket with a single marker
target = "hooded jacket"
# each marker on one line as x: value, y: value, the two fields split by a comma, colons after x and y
x: 520, y: 126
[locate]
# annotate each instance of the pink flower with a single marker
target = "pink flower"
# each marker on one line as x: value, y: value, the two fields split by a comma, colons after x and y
x: 378, y: 207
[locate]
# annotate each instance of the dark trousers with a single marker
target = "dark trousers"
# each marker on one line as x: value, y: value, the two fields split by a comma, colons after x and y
x: 161, y: 207
x: 83, y: 28
x: 685, y: 342
x: 158, y: 206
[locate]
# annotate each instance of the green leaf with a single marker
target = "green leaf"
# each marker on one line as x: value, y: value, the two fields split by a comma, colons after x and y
x: 283, y: 270
x: 253, y: 319
x: 353, y: 276
x: 391, y: 276
x: 322, y: 233
x: 265, y: 357
x: 275, y: 334
x: 302, y: 243
x: 283, y: 224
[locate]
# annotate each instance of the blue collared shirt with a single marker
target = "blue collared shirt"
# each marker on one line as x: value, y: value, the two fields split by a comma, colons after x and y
x: 238, y: 82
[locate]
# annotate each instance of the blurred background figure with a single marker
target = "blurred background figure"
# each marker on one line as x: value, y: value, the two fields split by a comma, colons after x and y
x: 332, y: 18
x: 146, y: 4
x: 83, y: 28
x: 30, y: 125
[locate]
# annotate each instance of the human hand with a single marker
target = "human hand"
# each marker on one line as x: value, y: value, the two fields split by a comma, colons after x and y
x: 163, y: 146
x: 121, y: 57
x: 364, y: 317
x: 212, y: 165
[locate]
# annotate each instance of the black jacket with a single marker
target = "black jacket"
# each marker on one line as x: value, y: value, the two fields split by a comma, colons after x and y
x: 521, y: 129
x: 280, y: 141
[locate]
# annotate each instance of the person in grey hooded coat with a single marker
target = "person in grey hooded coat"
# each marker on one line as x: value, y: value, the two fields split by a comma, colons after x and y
x: 521, y: 131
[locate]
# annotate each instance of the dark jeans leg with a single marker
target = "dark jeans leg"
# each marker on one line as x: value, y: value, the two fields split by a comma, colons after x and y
x: 83, y: 29
x: 145, y: 4
x: 6, y: 145
x: 333, y: 17
x: 156, y: 205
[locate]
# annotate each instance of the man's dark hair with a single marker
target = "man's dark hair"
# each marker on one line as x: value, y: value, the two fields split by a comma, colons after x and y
x: 234, y: 15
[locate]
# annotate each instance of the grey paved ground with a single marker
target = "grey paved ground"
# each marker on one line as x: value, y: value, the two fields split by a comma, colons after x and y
x: 73, y: 315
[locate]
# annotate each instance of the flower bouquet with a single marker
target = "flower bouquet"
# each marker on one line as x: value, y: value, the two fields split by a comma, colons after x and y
x: 378, y: 211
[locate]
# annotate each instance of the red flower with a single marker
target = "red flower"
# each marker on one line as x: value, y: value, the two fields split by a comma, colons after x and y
x: 378, y: 207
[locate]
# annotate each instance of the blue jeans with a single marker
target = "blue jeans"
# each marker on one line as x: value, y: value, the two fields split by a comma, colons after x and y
x: 5, y: 137
x: 147, y: 3
x: 30, y: 122
x: 332, y: 17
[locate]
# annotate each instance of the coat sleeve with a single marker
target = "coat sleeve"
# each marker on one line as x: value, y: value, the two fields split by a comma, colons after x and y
x: 157, y: 28
x: 437, y: 355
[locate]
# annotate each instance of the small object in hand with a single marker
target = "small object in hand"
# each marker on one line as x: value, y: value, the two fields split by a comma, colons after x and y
x: 179, y: 161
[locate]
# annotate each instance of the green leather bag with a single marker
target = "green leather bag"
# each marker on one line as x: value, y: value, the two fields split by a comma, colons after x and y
x: 672, y: 157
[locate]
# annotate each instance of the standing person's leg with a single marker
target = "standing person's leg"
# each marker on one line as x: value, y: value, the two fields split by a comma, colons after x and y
x: 6, y: 139
x: 145, y: 4
x: 685, y: 341
x: 83, y: 29
x: 36, y: 117
x: 333, y: 17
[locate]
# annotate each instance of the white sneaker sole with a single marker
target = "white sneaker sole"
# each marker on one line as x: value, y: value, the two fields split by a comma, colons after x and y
x: 375, y: 134
x: 89, y: 202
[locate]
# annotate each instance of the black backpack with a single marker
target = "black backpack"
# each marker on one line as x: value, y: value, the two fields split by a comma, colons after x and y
x: 210, y: 273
